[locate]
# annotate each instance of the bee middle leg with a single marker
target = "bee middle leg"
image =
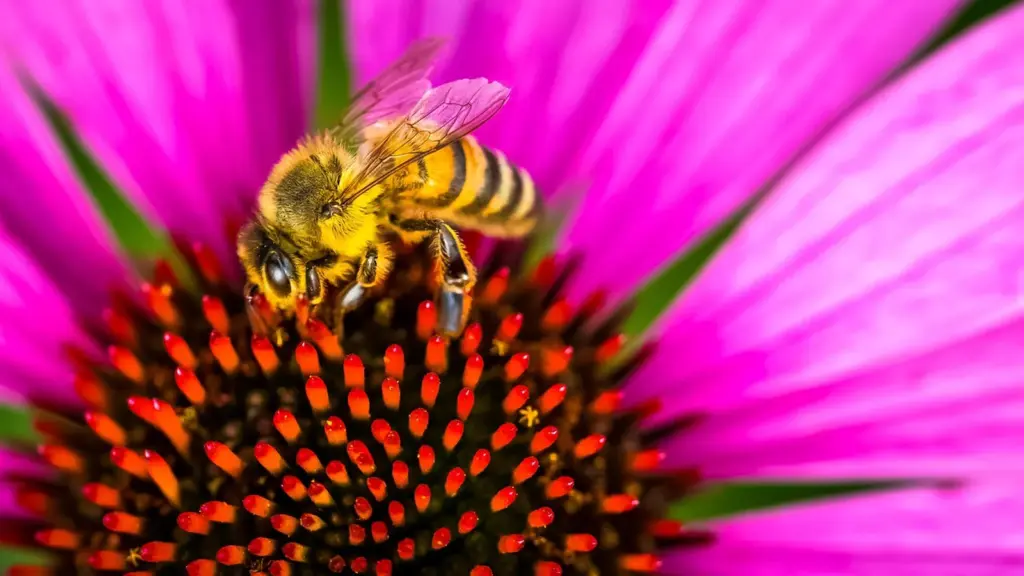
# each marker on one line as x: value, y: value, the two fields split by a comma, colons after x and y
x: 374, y: 268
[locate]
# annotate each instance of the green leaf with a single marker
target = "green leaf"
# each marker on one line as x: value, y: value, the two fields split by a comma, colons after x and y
x: 15, y: 556
x: 972, y: 14
x: 730, y: 499
x: 334, y: 68
x: 15, y: 425
x: 142, y: 241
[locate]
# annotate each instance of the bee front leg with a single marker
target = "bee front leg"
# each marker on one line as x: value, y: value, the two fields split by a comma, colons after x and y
x: 458, y: 276
x: 256, y: 320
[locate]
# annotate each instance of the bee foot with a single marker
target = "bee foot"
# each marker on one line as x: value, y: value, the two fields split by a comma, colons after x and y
x: 352, y: 296
x: 256, y: 320
x: 451, y: 318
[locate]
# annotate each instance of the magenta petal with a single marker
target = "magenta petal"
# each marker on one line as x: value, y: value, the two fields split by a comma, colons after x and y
x: 380, y: 31
x: 880, y: 282
x: 276, y: 48
x: 187, y: 109
x: 21, y: 465
x: 953, y: 411
x: 20, y: 462
x: 36, y: 325
x: 564, y: 62
x: 8, y: 504
x: 9, y: 396
x: 723, y: 98
x: 43, y: 204
x: 972, y: 531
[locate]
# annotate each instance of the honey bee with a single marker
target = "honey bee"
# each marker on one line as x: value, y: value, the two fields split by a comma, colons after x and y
x: 402, y: 165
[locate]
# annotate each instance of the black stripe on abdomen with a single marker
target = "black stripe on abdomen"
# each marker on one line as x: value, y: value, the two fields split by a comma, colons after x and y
x: 458, y: 181
x: 515, y: 196
x: 489, y: 187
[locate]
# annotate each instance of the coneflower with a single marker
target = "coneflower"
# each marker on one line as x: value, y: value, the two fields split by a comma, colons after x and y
x: 863, y: 323
x: 388, y: 448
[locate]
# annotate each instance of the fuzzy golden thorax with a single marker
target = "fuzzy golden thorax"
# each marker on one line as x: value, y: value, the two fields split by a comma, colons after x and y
x: 304, y: 226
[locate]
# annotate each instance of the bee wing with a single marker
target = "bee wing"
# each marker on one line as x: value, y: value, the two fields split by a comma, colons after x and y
x: 442, y: 116
x: 393, y: 93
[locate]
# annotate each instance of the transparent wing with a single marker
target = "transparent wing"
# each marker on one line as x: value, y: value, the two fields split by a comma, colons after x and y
x: 393, y: 93
x: 442, y: 116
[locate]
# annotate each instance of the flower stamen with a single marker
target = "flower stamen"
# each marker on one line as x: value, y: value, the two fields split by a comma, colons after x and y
x: 383, y: 448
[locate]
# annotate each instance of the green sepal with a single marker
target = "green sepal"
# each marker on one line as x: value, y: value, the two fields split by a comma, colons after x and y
x: 19, y: 557
x: 725, y: 500
x: 970, y: 15
x: 660, y: 291
x: 15, y: 425
x: 334, y: 68
x: 140, y: 240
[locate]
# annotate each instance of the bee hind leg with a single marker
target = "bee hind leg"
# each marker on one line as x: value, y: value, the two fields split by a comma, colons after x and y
x: 458, y: 276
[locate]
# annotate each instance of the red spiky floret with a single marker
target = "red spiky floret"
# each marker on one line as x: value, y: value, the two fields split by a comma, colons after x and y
x: 394, y: 450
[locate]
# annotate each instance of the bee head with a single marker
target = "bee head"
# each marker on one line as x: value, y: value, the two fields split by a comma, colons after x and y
x: 302, y: 189
x: 279, y: 273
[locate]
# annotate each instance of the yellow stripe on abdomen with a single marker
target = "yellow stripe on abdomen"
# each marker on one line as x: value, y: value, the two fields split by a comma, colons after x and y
x: 502, y: 194
x: 477, y: 188
x: 476, y: 176
x: 525, y: 197
x: 444, y: 176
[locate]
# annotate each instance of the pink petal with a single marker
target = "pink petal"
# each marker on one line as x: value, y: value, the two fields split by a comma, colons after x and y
x: 20, y: 462
x: 912, y: 418
x: 9, y: 396
x: 675, y: 101
x: 875, y: 294
x: 21, y: 465
x: 44, y: 205
x: 379, y: 32
x: 9, y: 504
x: 724, y: 96
x: 923, y: 532
x: 563, y: 61
x: 187, y: 109
x: 36, y: 324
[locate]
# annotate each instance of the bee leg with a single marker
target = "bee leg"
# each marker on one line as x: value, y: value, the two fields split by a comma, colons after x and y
x: 458, y: 276
x: 349, y: 298
x: 352, y: 296
x: 373, y: 270
x: 256, y: 320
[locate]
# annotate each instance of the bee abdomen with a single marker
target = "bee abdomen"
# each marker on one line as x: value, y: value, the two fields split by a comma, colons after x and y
x: 523, y: 199
x: 505, y: 191
x: 476, y: 187
x: 494, y: 167
x: 448, y: 167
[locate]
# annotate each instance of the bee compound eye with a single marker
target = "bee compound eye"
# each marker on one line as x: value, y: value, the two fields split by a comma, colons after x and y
x: 278, y: 276
x: 313, y: 284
